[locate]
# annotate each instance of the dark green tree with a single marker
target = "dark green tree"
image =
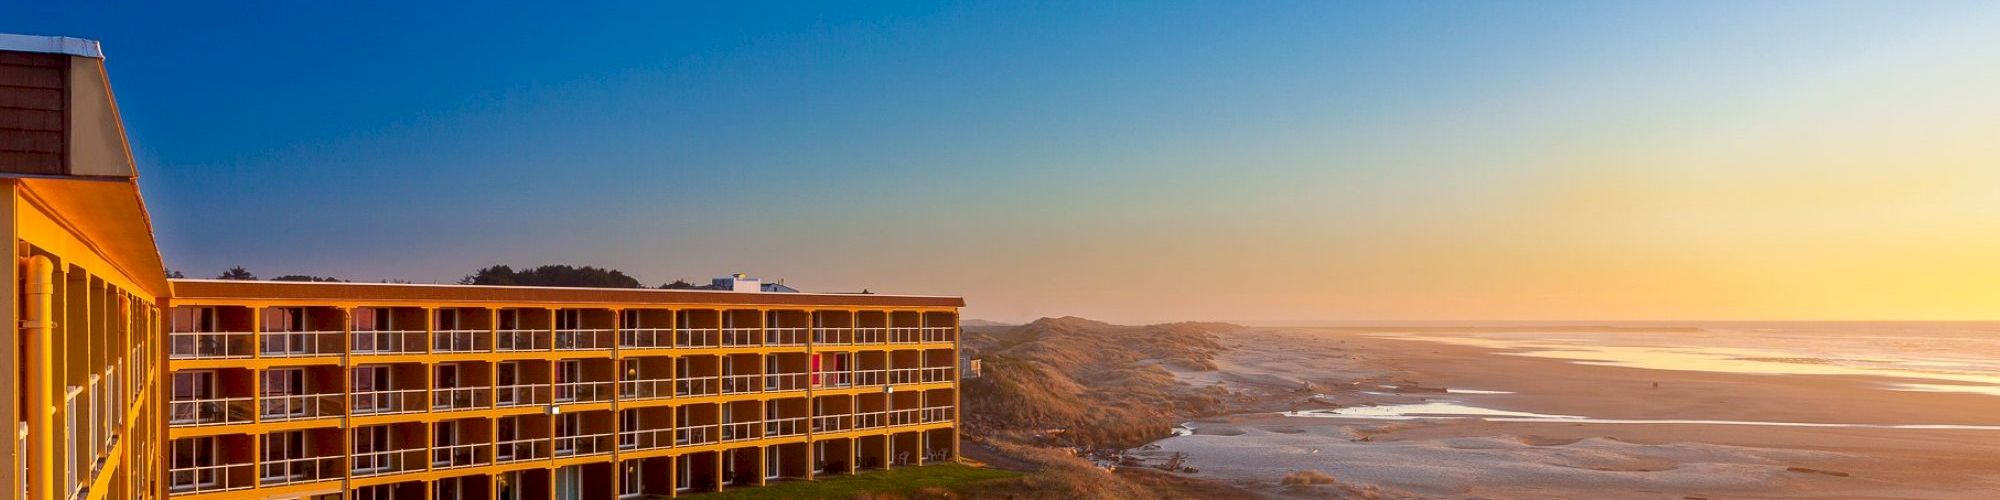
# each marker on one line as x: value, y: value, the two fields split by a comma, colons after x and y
x: 237, y: 273
x: 552, y: 275
x: 309, y: 278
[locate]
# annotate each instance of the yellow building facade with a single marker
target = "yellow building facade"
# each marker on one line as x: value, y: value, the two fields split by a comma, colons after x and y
x: 129, y: 385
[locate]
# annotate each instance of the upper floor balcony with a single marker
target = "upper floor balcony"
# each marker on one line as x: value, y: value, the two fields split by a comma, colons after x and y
x: 211, y: 397
x: 301, y: 332
x: 585, y: 329
x: 388, y: 388
x: 386, y: 330
x: 211, y: 332
x: 388, y: 449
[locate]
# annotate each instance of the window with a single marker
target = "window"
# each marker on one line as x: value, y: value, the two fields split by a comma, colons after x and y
x: 568, y: 372
x: 371, y: 445
x: 628, y: 426
x: 193, y: 319
x: 447, y: 319
x: 569, y: 319
x: 510, y: 319
x: 282, y: 327
x: 629, y: 319
x: 193, y: 463
x: 631, y: 482
x: 196, y: 388
x: 280, y: 451
x: 369, y: 382
x: 774, y: 462
x: 277, y: 387
x: 366, y: 322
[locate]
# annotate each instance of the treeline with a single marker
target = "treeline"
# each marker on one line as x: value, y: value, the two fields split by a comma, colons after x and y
x: 500, y: 275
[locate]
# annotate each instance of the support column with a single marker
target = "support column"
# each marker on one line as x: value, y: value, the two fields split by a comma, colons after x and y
x: 38, y: 323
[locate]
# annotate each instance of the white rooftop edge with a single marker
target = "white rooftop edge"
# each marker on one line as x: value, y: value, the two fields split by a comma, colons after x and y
x: 51, y: 45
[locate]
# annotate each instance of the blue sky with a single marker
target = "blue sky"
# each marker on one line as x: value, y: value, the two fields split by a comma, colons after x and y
x: 1135, y: 161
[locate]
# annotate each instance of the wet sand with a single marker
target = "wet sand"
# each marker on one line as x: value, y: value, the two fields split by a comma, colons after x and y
x: 1306, y: 369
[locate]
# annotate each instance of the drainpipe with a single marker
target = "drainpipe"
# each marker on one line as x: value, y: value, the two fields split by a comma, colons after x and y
x: 38, y: 323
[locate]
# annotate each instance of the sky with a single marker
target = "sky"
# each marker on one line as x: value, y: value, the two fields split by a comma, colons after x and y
x: 1125, y: 161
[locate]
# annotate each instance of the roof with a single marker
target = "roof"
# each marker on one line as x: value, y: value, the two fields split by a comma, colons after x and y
x: 244, y: 290
x: 51, y: 45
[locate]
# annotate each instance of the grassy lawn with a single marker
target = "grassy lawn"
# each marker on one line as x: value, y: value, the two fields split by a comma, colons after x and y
x: 901, y: 480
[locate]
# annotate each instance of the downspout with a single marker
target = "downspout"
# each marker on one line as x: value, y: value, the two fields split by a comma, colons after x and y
x: 37, y: 323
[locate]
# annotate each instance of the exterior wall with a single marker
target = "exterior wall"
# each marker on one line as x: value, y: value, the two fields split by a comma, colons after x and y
x: 693, y: 396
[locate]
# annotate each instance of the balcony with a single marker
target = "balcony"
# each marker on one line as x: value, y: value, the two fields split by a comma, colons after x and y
x: 938, y: 334
x: 583, y: 444
x: 385, y: 342
x: 697, y: 386
x: 584, y: 339
x: 740, y: 384
x: 742, y: 431
x: 283, y: 408
x: 646, y: 338
x: 461, y: 398
x: 377, y: 463
x: 645, y: 439
x: 697, y: 337
x: 833, y: 379
x: 783, y: 382
x: 583, y: 392
x: 697, y: 434
x: 301, y: 344
x: 833, y: 336
x: 389, y: 401
x: 521, y: 450
x: 636, y: 390
x: 740, y: 337
x: 507, y: 396
x: 520, y: 340
x: 444, y: 341
x: 211, y: 478
x: 452, y: 456
x: 905, y: 335
x: 937, y: 374
x: 870, y: 335
x: 833, y: 423
x: 299, y: 470
x: 209, y: 345
x: 870, y: 419
x: 905, y: 375
x: 907, y: 416
x: 212, y: 411
x: 867, y: 378
x: 935, y: 414
x: 781, y: 427
x: 785, y: 336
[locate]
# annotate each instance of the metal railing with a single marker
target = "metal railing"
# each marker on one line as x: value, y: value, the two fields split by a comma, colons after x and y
x: 696, y: 337
x: 583, y: 392
x: 458, y: 455
x: 870, y: 419
x: 732, y: 337
x: 833, y: 379
x: 214, y: 411
x: 374, y: 342
x: 905, y: 335
x: 518, y: 340
x: 734, y: 384
x: 586, y: 444
x: 209, y: 345
x: 461, y: 398
x: 517, y: 450
x: 583, y: 339
x: 645, y: 439
x: 740, y: 431
x: 938, y: 333
x: 645, y: 389
x: 785, y: 336
x: 905, y: 375
x: 521, y: 395
x: 299, y: 344
x: 689, y: 435
x: 871, y: 335
x: 384, y: 402
x: 833, y: 423
x: 461, y: 341
x: 793, y: 426
x: 210, y: 478
x: 697, y: 386
x: 281, y: 408
x: 298, y: 470
x: 386, y: 462
x: 865, y: 378
x: 935, y: 414
x: 904, y: 417
x: 646, y: 338
x: 833, y: 336
x: 937, y: 374
x: 781, y: 382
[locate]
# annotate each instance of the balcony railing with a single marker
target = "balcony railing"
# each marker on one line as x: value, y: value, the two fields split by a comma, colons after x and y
x: 833, y: 336
x: 384, y: 402
x: 216, y: 411
x: 904, y: 417
x: 281, y: 408
x: 870, y: 419
x: 793, y: 426
x: 461, y: 341
x: 691, y: 435
x: 299, y: 344
x: 734, y: 384
x: 521, y: 395
x: 697, y: 386
x: 696, y: 337
x: 780, y: 382
x: 461, y: 398
x: 740, y: 431
x: 905, y: 335
x: 210, y: 478
x: 209, y: 345
x: 645, y: 439
x: 834, y: 379
x: 387, y: 462
x: 833, y: 423
x: 299, y: 470
x: 735, y: 337
x: 865, y: 378
x: 646, y: 338
x: 645, y: 389
x: 905, y: 375
x: 871, y: 335
x: 458, y: 455
x: 586, y: 444
x: 937, y: 374
x: 517, y: 340
x: 377, y: 342
x: 583, y: 339
x: 583, y: 392
x: 938, y: 333
x: 518, y: 450
x: 785, y: 336
x: 935, y: 414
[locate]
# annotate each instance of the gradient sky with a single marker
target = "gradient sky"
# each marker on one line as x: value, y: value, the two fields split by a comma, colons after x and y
x: 1132, y: 162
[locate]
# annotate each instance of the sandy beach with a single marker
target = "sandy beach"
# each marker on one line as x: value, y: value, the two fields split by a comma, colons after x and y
x: 1340, y: 401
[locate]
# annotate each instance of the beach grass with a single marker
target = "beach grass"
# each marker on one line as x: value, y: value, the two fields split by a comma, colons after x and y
x: 898, y: 481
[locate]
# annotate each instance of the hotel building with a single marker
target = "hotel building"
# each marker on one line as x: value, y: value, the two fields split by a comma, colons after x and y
x: 130, y: 385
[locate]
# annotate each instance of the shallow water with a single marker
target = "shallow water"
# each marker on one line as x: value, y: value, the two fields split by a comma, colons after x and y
x: 1455, y: 410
